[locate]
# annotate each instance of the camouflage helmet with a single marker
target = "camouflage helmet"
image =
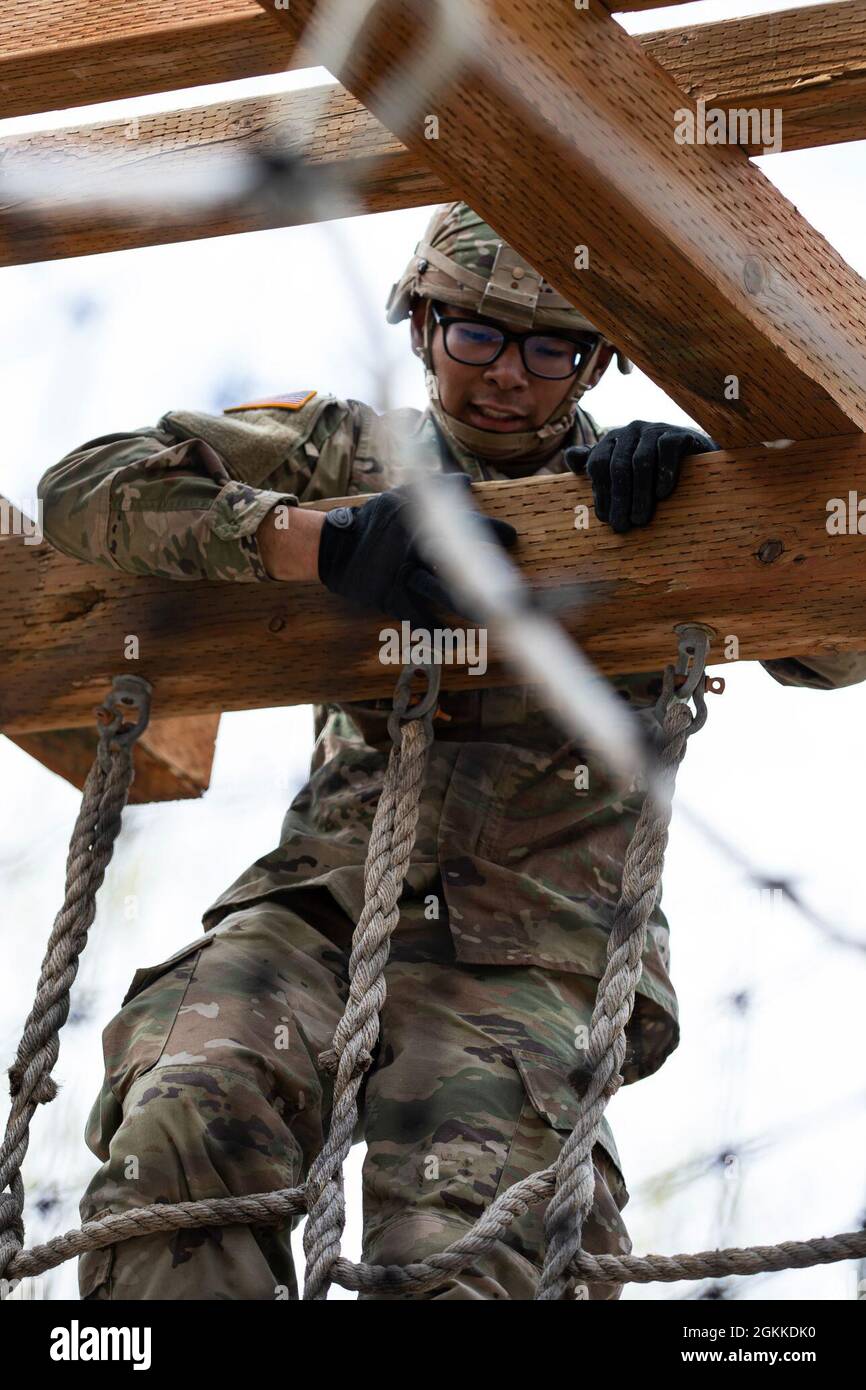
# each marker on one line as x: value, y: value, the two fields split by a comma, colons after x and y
x: 461, y: 260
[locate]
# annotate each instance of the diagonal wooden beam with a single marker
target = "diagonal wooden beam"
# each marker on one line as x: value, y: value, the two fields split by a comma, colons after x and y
x: 172, y: 758
x: 810, y: 63
x: 372, y: 169
x: 53, y: 56
x: 742, y: 545
x: 695, y: 264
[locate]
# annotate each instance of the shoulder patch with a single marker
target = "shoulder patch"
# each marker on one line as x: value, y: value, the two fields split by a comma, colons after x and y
x: 292, y: 401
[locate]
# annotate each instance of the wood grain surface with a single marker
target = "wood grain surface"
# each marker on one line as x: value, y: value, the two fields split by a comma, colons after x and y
x: 207, y: 646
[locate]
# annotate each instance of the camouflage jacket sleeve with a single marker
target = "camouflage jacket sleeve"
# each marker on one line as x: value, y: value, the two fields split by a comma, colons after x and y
x: 183, y: 499
x: 823, y: 672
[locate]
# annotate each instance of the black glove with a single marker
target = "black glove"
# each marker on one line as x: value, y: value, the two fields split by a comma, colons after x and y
x: 370, y: 555
x: 633, y: 468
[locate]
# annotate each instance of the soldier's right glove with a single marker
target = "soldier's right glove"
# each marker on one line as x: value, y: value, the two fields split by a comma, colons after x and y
x: 370, y: 554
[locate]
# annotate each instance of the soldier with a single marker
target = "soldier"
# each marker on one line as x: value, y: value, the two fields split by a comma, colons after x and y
x: 212, y: 1083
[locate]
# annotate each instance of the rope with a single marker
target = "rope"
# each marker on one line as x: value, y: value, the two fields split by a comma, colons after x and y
x: 275, y: 1209
x: 641, y: 884
x: 566, y: 1185
x: 90, y: 850
x: 391, y: 840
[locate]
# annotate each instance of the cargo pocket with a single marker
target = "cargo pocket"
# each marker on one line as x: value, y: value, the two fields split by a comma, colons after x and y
x: 132, y: 1044
x: 135, y: 1038
x: 148, y: 973
x: 549, y: 1115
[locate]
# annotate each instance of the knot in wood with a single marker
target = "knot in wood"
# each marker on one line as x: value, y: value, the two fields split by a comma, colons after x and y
x: 770, y: 551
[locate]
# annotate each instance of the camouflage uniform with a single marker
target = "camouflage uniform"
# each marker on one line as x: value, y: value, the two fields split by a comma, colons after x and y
x: 212, y: 1085
x: 212, y: 1089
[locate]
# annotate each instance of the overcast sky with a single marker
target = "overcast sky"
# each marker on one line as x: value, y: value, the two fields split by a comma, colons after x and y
x: 770, y: 1063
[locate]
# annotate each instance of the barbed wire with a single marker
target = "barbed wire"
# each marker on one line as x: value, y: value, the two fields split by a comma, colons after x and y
x: 701, y: 1165
x: 765, y: 881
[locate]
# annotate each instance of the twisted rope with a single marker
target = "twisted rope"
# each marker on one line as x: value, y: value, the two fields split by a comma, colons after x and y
x: 391, y: 840
x: 641, y: 884
x: 565, y: 1185
x: 275, y: 1209
x: 90, y: 850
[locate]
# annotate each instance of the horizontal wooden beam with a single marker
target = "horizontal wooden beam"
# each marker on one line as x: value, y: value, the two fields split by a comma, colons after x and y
x: 367, y: 168
x: 78, y: 52
x: 806, y: 63
x: 172, y: 758
x: 810, y: 64
x: 72, y: 54
x: 742, y: 545
x: 690, y: 259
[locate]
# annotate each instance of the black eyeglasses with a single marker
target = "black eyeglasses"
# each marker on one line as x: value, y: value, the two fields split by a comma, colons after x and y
x: 478, y: 344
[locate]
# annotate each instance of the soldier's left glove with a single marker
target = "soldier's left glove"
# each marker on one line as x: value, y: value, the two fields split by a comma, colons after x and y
x: 633, y: 468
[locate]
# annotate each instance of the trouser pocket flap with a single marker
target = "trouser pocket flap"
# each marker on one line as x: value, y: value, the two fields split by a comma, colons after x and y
x: 148, y: 973
x: 555, y: 1099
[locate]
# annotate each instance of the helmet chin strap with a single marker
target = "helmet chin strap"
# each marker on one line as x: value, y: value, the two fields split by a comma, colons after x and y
x: 492, y: 444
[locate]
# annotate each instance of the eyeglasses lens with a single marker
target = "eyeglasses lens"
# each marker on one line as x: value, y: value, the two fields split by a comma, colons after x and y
x: 473, y: 342
x: 551, y: 357
x: 477, y: 344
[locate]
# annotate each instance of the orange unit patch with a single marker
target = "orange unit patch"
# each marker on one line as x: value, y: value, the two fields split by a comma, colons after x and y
x: 292, y: 401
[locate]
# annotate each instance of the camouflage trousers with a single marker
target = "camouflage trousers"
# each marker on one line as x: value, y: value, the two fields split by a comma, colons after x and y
x: 212, y: 1088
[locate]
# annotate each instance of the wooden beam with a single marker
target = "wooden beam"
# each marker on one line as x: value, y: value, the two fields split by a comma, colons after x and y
x: 742, y: 545
x: 172, y: 758
x: 805, y: 62
x: 808, y: 63
x: 372, y: 172
x: 54, y: 56
x: 696, y: 265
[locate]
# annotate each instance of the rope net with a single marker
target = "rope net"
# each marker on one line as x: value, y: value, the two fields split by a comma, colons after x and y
x: 567, y: 1186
